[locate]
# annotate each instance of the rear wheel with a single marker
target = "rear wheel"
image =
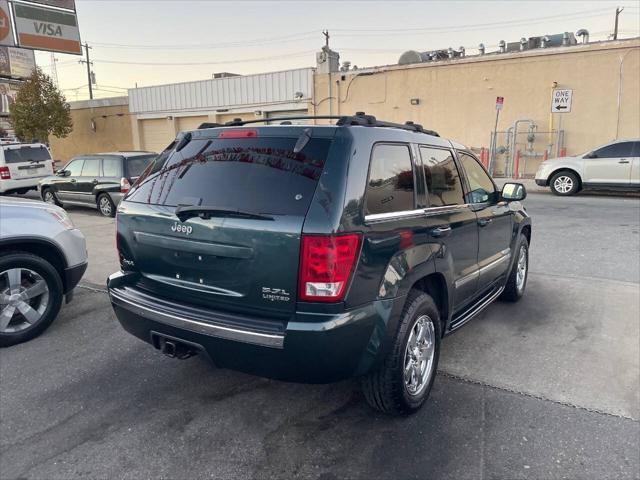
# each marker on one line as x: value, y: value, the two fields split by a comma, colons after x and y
x: 49, y: 196
x: 565, y: 183
x: 106, y: 205
x: 30, y: 297
x: 403, y: 382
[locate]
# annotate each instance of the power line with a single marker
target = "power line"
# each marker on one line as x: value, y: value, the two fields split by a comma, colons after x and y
x: 225, y: 62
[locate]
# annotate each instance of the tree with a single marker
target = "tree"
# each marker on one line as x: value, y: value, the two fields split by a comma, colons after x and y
x: 40, y: 109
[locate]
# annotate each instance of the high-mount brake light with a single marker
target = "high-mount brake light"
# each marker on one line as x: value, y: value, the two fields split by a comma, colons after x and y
x: 326, y: 265
x: 238, y: 133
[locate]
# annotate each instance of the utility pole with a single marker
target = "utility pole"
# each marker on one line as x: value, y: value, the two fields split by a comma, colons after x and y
x: 89, y: 64
x: 326, y: 37
x: 615, y: 28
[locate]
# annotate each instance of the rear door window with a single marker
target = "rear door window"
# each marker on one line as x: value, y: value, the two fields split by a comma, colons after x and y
x: 443, y: 179
x: 391, y: 183
x: 26, y: 155
x: 91, y: 167
x: 259, y: 175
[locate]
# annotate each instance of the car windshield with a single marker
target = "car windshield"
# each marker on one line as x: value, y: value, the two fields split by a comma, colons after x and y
x: 26, y: 154
x: 261, y: 175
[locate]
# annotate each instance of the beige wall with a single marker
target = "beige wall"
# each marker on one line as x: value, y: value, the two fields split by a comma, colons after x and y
x: 112, y: 133
x: 457, y: 98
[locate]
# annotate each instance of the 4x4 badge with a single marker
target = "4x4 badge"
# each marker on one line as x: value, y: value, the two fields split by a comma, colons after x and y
x: 176, y: 227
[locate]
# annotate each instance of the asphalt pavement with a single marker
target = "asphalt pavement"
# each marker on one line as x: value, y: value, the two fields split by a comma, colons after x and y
x: 546, y: 388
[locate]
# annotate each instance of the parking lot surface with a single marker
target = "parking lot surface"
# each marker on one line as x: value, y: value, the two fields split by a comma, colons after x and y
x: 546, y: 388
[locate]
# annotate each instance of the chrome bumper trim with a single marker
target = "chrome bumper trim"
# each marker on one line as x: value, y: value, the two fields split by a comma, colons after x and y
x: 227, y: 333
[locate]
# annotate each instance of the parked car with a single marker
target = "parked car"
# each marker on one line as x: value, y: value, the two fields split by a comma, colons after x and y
x: 98, y: 180
x: 317, y: 253
x: 42, y: 259
x: 614, y: 166
x: 23, y: 165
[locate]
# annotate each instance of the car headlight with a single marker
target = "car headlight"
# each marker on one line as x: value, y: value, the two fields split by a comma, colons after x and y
x: 63, y: 218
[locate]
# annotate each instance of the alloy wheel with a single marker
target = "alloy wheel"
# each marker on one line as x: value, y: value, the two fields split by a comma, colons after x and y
x: 521, y: 274
x: 419, y: 355
x: 563, y: 184
x: 105, y: 206
x: 49, y: 197
x: 24, y: 297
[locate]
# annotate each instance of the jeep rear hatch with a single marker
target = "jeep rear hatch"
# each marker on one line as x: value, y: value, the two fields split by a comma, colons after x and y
x: 218, y: 223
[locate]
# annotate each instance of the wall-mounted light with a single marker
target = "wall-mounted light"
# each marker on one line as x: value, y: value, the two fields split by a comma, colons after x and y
x: 258, y: 113
x: 169, y: 117
x: 415, y: 101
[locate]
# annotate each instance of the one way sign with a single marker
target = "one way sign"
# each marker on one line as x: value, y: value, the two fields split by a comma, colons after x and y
x: 561, y: 101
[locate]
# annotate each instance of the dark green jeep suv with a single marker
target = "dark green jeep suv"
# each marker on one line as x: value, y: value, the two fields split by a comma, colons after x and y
x: 313, y: 253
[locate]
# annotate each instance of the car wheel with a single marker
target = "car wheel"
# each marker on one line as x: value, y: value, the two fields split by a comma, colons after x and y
x: 517, y: 281
x: 403, y: 382
x: 106, y: 205
x: 49, y: 196
x: 565, y: 183
x: 30, y: 297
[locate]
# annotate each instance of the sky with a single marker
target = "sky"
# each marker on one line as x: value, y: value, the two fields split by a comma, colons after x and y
x: 154, y: 42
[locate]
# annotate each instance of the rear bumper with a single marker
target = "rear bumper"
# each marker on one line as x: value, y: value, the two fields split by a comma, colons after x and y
x: 17, y: 184
x: 308, y: 348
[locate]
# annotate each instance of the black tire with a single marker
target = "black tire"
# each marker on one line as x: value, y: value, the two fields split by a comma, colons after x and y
x: 571, y: 183
x: 54, y: 283
x: 384, y: 388
x: 106, y: 207
x: 512, y: 291
x: 49, y: 196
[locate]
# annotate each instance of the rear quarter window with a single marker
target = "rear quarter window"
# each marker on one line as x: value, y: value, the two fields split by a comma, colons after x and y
x: 391, y: 182
x: 261, y: 175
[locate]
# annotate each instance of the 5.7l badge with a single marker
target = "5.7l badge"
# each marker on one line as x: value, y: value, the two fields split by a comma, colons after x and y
x: 275, y: 294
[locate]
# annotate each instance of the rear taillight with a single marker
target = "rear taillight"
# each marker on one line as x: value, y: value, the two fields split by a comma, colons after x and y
x: 125, y: 186
x: 5, y: 174
x: 326, y: 265
x: 238, y: 133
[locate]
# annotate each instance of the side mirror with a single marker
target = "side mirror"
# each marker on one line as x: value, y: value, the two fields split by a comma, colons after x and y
x: 62, y: 173
x: 512, y: 192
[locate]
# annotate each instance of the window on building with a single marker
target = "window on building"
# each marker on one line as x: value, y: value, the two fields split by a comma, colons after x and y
x: 91, y: 167
x: 481, y: 187
x: 443, y: 180
x: 391, y: 185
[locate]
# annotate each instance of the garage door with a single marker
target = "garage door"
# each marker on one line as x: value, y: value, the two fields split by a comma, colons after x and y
x: 191, y: 123
x: 157, y: 133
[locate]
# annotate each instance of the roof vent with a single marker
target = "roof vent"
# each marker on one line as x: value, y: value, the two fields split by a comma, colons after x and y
x: 584, y: 33
x: 481, y: 49
x: 412, y: 56
x: 502, y: 46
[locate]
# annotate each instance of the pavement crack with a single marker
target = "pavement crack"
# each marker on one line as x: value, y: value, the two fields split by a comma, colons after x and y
x: 533, y: 395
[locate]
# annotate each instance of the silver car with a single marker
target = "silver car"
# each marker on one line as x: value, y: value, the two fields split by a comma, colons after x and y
x: 42, y: 258
x: 614, y: 166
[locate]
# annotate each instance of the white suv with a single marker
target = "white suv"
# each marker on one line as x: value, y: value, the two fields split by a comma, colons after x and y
x: 23, y: 165
x: 614, y: 166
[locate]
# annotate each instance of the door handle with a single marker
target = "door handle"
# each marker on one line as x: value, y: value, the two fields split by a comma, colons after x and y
x: 439, y: 232
x: 95, y: 182
x: 73, y: 180
x: 624, y: 160
x: 483, y: 222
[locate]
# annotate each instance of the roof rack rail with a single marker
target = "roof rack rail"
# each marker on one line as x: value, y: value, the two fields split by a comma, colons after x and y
x: 359, y: 119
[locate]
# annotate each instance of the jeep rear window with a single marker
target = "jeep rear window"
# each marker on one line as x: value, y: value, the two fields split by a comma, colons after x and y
x: 261, y: 175
x: 136, y: 165
x: 26, y: 154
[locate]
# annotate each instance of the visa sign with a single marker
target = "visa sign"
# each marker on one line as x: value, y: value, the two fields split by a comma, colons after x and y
x: 42, y: 28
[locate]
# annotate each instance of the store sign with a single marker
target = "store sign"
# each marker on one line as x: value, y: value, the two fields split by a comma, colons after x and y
x: 22, y: 62
x: 42, y: 28
x: 6, y: 35
x: 8, y: 91
x: 66, y: 4
x: 499, y: 103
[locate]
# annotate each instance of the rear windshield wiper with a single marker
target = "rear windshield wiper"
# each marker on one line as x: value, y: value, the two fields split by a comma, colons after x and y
x: 184, y: 212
